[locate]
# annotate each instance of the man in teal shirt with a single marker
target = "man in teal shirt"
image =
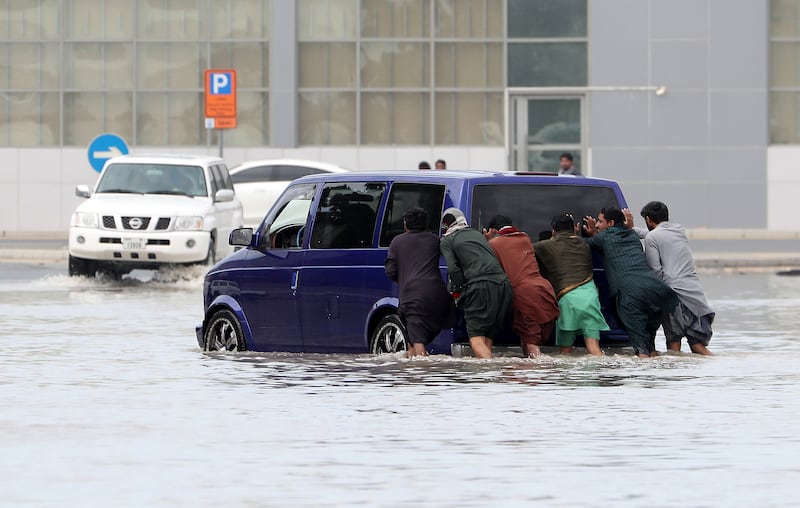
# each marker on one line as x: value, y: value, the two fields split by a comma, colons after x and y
x: 639, y: 296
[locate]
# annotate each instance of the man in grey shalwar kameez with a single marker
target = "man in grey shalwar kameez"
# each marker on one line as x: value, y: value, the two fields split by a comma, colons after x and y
x: 668, y: 254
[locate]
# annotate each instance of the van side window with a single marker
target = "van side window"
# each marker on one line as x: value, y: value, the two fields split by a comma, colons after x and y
x: 346, y: 215
x: 285, y: 226
x: 404, y: 196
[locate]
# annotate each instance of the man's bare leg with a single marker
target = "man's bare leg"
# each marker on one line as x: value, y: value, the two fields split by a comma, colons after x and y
x: 416, y: 349
x: 481, y: 346
x: 674, y: 345
x: 530, y: 350
x: 565, y: 350
x: 700, y: 349
x: 593, y: 347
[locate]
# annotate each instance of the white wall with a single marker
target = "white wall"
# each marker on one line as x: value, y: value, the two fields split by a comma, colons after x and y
x: 783, y: 187
x: 37, y: 185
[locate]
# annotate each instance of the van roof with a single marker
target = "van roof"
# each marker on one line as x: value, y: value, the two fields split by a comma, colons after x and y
x: 459, y: 175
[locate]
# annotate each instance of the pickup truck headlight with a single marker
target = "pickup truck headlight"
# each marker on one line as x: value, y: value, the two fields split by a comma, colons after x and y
x: 85, y: 220
x: 189, y: 223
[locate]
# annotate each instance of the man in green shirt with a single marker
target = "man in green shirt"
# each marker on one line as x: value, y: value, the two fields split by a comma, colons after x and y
x: 476, y: 275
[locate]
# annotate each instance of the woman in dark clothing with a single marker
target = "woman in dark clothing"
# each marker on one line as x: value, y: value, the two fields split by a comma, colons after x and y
x: 413, y: 262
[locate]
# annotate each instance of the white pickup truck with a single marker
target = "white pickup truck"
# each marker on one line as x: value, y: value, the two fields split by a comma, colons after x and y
x: 146, y: 211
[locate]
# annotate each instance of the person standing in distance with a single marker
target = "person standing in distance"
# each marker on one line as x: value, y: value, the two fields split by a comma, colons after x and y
x: 475, y: 273
x: 666, y: 248
x: 441, y: 164
x: 424, y: 165
x: 413, y: 262
x: 566, y: 165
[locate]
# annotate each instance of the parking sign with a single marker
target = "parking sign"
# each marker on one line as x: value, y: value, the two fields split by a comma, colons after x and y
x: 220, y: 93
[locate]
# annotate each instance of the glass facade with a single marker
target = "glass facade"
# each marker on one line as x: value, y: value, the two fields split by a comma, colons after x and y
x: 547, y: 43
x: 369, y: 72
x: 73, y: 69
x: 784, y: 67
x: 378, y: 72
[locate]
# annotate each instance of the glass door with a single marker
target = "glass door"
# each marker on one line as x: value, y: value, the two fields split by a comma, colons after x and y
x: 544, y: 127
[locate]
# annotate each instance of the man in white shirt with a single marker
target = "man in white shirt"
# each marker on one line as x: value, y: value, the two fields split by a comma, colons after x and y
x: 669, y: 256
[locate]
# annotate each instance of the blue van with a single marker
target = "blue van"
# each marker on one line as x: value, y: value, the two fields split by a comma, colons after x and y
x: 310, y: 278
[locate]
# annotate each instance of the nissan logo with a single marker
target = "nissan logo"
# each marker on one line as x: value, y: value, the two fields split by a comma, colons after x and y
x: 135, y: 222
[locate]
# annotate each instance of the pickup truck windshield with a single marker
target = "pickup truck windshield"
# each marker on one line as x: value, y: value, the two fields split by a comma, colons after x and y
x: 153, y: 179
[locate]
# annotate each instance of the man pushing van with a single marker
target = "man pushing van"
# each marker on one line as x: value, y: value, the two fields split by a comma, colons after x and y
x: 476, y: 274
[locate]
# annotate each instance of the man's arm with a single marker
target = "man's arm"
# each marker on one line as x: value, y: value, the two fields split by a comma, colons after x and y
x: 653, y: 255
x: 454, y: 273
x: 642, y: 232
x: 390, y: 265
x: 592, y: 239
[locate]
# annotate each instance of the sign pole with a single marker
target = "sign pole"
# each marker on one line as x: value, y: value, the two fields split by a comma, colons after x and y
x: 220, y: 131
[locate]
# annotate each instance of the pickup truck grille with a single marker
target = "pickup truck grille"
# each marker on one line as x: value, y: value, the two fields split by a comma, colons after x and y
x: 110, y: 222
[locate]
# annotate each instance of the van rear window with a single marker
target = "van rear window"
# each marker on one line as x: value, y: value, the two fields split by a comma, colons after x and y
x: 531, y: 207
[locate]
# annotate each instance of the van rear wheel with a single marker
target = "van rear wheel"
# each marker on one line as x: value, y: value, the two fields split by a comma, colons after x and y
x: 389, y: 336
x: 224, y: 333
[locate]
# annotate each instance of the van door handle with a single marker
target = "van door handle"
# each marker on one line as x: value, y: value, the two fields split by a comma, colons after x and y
x: 295, y: 278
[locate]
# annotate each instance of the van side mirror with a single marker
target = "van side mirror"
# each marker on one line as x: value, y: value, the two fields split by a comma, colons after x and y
x: 82, y: 191
x: 241, y: 236
x: 223, y: 195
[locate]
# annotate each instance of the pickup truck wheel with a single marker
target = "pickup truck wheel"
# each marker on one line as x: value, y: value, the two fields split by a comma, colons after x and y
x: 79, y: 267
x: 224, y: 333
x: 211, y: 258
x: 389, y: 336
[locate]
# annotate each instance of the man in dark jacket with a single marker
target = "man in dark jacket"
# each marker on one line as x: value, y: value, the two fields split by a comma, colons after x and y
x: 639, y: 295
x: 413, y: 262
x: 473, y: 269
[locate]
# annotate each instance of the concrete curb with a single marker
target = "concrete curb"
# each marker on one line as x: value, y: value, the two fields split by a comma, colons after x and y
x: 730, y: 261
x: 746, y: 260
x: 51, y: 247
x: 34, y: 255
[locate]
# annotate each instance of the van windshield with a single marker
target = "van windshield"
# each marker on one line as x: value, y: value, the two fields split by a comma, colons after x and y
x: 532, y: 207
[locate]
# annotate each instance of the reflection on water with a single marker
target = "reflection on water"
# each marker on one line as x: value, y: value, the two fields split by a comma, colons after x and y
x: 285, y: 370
x: 108, y: 401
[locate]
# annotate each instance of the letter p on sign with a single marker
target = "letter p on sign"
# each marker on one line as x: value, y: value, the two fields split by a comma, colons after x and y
x: 220, y: 83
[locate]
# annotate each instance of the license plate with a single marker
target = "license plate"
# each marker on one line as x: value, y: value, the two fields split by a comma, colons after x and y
x: 133, y: 243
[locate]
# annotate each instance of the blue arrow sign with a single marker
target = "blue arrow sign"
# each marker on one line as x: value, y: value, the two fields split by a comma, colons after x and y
x: 104, y: 147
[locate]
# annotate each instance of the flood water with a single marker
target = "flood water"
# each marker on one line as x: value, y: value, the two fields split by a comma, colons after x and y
x: 107, y: 401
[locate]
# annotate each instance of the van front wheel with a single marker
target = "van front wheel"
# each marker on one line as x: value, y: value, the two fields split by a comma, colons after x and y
x: 389, y: 336
x: 224, y: 333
